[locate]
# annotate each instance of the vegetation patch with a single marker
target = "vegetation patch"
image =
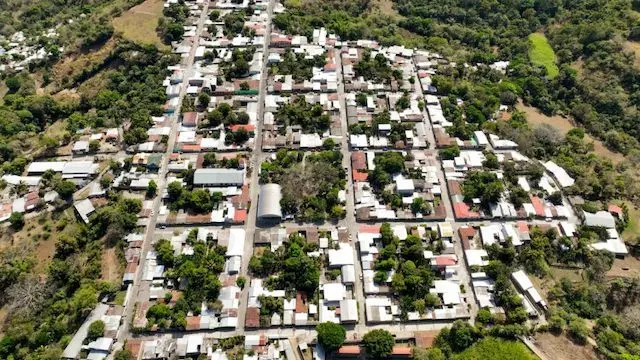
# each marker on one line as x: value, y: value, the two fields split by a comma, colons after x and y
x: 541, y: 53
x: 496, y: 349
x: 310, y: 184
x: 139, y: 23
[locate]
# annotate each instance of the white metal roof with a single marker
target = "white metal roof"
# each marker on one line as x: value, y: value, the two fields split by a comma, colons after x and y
x: 269, y: 201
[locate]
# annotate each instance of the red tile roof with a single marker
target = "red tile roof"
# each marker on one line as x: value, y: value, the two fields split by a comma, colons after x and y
x: 461, y: 210
x: 134, y: 346
x: 193, y: 323
x: 190, y: 118
x: 401, y: 350
x: 301, y: 302
x: 349, y: 350
x: 615, y: 209
x: 425, y: 339
x: 371, y: 229
x: 537, y: 205
x: 252, y: 318
x: 190, y: 147
x: 445, y: 261
x: 359, y: 176
x: 240, y: 216
x: 523, y: 227
x: 467, y: 232
x: 247, y: 127
x: 359, y: 160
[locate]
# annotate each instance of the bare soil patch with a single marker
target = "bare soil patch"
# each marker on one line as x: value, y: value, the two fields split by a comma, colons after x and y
x: 634, y: 47
x: 535, y: 117
x: 561, y: 348
x: 628, y: 267
x: 111, y: 268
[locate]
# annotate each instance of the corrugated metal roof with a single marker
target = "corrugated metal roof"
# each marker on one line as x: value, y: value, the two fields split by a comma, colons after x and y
x: 218, y: 177
x: 269, y: 201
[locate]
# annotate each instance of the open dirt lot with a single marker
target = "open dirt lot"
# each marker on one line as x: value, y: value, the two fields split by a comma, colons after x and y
x: 561, y: 348
x: 627, y: 267
x: 564, y: 125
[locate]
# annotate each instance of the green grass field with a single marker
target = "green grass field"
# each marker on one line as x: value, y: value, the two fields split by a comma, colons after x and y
x: 139, y: 23
x: 541, y: 53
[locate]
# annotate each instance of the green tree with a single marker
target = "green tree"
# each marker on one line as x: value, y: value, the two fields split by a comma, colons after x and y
x: 204, y: 99
x: 241, y: 281
x: 123, y: 355
x: 152, y: 188
x: 16, y: 220
x: 13, y: 84
x: 96, y: 330
x: 428, y: 354
x: 330, y: 335
x: 328, y: 144
x: 65, y: 189
x: 174, y: 190
x: 378, y: 343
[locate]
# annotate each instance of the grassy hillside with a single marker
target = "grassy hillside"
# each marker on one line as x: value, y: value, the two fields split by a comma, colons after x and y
x: 542, y: 54
x: 139, y: 23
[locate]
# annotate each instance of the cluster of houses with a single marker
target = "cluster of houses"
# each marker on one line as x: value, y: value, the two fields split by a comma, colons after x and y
x: 249, y: 347
x: 380, y: 303
x: 22, y: 192
x: 18, y: 50
x: 80, y: 346
x: 425, y: 184
x: 155, y: 285
x: 538, y: 206
x: 334, y: 300
x: 314, y: 83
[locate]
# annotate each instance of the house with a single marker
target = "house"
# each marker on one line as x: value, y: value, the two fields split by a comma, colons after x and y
x: 80, y: 147
x: 190, y: 119
x: 153, y: 162
x: 616, y: 211
x: 405, y: 187
x: 84, y: 208
x: 525, y: 285
x: 348, y: 311
x: 477, y: 257
x: 599, y: 219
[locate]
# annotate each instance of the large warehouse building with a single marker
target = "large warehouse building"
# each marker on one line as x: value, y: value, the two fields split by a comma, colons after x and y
x: 269, y: 202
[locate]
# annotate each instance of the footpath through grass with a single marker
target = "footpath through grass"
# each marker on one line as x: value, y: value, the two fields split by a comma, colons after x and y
x: 541, y: 53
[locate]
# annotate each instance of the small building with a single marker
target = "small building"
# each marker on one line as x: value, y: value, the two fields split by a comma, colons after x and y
x: 599, y: 219
x: 80, y: 147
x: 84, y: 208
x: 190, y: 119
x: 405, y: 186
x: 348, y: 311
x: 153, y: 162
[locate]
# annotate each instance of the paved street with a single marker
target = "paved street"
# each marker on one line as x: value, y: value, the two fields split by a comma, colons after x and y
x: 128, y: 314
x: 350, y: 220
x: 256, y: 158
